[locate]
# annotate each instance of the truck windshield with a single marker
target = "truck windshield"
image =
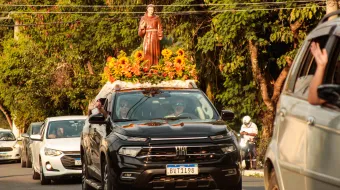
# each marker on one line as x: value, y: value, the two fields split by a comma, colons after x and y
x: 165, y: 105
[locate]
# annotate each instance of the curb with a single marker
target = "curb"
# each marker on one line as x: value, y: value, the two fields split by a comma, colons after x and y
x: 253, y: 173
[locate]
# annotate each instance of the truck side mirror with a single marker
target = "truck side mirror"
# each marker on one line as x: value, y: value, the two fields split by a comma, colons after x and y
x: 330, y: 93
x: 97, y: 119
x: 227, y: 115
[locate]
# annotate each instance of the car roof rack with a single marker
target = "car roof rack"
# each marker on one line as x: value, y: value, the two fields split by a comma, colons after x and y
x: 326, y: 17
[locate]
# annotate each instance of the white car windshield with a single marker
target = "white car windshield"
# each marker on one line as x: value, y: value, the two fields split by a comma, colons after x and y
x: 65, y: 129
x: 163, y: 104
x: 7, y: 136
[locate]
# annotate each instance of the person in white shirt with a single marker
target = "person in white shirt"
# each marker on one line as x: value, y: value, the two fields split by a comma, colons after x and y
x: 249, y: 131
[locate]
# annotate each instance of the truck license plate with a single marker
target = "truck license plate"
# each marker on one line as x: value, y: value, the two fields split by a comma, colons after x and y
x: 182, y: 169
x: 77, y: 162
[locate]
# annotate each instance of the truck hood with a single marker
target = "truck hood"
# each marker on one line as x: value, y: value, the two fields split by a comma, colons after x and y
x: 179, y: 129
x: 64, y: 144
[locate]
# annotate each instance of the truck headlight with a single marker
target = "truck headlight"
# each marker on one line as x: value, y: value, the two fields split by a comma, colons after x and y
x: 130, y: 151
x: 52, y: 152
x: 126, y: 138
x: 228, y: 148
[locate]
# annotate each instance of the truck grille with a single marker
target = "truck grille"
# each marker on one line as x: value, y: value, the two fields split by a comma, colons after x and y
x: 5, y: 149
x: 168, y: 154
x: 68, y: 162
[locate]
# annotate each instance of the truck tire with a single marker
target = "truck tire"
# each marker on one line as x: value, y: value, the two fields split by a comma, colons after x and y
x: 85, y: 175
x: 109, y: 177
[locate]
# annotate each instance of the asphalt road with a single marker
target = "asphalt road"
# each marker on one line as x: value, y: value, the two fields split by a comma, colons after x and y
x: 13, y: 177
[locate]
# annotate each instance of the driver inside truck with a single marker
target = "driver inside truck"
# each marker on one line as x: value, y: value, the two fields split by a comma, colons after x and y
x: 178, y: 107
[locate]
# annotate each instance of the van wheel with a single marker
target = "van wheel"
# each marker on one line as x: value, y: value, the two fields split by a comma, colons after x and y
x: 273, y: 181
x: 36, y: 175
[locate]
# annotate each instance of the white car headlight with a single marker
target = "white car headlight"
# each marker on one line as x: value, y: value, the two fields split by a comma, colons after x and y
x: 136, y: 139
x: 130, y: 151
x: 228, y: 148
x: 52, y: 152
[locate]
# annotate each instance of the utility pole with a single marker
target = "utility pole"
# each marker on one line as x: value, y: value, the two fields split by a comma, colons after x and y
x: 331, y: 6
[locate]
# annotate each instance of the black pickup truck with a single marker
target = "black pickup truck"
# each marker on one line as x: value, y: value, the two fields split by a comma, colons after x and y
x: 159, y: 138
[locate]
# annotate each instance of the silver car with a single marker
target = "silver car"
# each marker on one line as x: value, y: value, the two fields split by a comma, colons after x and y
x: 304, y: 152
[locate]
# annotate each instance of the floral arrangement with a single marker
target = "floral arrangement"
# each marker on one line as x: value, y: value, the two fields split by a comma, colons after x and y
x: 171, y: 66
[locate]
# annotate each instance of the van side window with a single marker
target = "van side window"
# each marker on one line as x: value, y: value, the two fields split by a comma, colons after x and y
x: 307, y: 70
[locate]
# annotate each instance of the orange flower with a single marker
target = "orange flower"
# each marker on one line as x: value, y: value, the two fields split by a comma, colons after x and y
x: 128, y: 74
x: 171, y: 75
x: 111, y: 79
x: 109, y: 59
x: 106, y: 69
x: 185, y: 77
x: 180, y: 52
x: 136, y: 69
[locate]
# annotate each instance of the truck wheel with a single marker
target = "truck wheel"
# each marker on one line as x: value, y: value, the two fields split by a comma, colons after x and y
x: 109, y: 178
x: 85, y: 175
x: 273, y: 181
x: 239, y: 185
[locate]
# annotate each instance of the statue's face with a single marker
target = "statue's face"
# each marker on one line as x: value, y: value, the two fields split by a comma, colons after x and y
x: 150, y: 10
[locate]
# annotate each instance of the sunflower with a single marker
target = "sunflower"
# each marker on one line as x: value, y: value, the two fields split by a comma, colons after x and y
x: 139, y: 55
x: 179, y: 60
x: 166, y: 53
x: 180, y: 52
x: 123, y: 60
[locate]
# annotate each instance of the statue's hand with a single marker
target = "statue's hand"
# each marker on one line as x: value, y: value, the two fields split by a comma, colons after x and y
x: 143, y: 24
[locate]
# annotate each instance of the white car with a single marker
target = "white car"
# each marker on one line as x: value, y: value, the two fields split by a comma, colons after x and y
x: 9, y: 147
x: 56, y: 150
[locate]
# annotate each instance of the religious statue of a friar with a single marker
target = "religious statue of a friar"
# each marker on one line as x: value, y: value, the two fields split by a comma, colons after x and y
x: 150, y: 28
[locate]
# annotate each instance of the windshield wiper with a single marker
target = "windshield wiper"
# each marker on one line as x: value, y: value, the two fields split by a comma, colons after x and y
x: 171, y: 118
x: 122, y: 120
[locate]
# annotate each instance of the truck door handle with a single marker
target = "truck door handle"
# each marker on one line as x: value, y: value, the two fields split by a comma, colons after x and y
x: 310, y: 120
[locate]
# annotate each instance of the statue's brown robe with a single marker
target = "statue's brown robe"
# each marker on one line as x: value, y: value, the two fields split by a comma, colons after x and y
x: 152, y: 34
